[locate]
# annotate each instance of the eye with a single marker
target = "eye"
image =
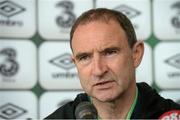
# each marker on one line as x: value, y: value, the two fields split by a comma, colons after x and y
x: 110, y: 52
x: 83, y: 57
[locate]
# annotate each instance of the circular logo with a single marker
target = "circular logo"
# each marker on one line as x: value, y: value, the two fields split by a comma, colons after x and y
x: 170, y: 115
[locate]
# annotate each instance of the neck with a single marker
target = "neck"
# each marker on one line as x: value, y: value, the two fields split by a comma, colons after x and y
x: 118, y: 108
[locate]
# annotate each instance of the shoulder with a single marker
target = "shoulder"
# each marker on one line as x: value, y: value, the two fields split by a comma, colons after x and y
x: 152, y: 103
x: 67, y: 110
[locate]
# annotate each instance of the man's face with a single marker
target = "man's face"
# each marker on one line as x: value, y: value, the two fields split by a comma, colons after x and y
x: 105, y: 62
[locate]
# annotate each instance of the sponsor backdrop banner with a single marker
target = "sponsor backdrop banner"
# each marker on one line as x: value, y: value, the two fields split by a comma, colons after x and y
x: 36, y: 73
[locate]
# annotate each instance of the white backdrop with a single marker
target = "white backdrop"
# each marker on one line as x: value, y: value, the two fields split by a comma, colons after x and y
x: 36, y: 72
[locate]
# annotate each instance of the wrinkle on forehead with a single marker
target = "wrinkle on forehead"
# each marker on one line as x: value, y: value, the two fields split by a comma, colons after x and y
x: 97, y: 35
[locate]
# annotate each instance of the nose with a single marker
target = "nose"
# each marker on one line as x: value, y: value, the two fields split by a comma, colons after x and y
x: 99, y: 67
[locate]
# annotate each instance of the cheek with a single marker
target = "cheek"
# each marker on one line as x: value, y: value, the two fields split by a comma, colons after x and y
x: 85, y: 83
x: 118, y: 65
x: 122, y: 68
x: 84, y: 77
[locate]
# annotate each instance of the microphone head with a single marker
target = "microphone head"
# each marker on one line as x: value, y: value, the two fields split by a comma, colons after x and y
x: 85, y: 110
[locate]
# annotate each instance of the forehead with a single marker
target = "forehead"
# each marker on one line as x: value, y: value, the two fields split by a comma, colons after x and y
x: 98, y: 34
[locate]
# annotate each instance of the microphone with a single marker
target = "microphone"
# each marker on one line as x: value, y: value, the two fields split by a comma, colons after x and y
x: 85, y: 110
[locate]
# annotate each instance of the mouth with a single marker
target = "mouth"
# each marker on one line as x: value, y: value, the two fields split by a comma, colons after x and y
x: 104, y: 85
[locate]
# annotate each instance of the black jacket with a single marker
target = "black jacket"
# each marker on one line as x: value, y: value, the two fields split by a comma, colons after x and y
x: 149, y: 105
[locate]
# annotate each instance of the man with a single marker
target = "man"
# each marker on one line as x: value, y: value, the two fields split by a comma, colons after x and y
x: 106, y: 54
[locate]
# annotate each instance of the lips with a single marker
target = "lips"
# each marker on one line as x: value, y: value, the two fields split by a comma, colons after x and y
x: 104, y: 84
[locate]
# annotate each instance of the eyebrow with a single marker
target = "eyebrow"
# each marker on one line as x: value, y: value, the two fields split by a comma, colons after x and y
x: 81, y: 54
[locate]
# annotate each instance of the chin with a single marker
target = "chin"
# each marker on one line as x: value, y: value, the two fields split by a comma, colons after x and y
x: 106, y: 98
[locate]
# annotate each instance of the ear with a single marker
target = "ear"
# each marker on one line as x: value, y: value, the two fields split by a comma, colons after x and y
x: 138, y: 51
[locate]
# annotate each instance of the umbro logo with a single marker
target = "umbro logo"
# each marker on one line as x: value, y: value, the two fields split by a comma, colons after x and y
x: 63, y: 61
x: 174, y: 61
x: 9, y: 8
x: 11, y: 111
